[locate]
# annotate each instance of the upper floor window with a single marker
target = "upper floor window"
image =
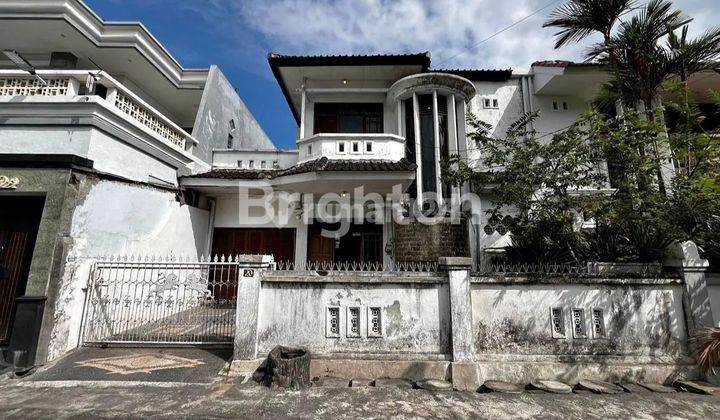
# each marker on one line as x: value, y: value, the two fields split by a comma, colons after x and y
x: 560, y: 106
x: 490, y: 103
x: 348, y: 117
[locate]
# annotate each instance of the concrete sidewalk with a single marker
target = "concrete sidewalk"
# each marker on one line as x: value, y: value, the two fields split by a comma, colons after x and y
x: 228, y: 398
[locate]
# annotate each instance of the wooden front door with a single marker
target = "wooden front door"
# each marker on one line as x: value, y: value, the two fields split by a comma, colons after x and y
x: 280, y: 243
x: 321, y: 249
x: 19, y: 222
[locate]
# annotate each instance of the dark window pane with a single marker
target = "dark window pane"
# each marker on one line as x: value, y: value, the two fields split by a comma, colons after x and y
x: 348, y: 117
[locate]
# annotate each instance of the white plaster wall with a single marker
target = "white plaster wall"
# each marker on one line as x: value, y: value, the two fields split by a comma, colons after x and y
x: 227, y: 214
x: 550, y: 120
x: 383, y: 148
x: 510, y: 108
x: 45, y: 140
x: 118, y: 158
x: 415, y: 317
x: 120, y: 219
x: 713, y: 281
x: 109, y: 155
x: 230, y: 158
x: 639, y: 320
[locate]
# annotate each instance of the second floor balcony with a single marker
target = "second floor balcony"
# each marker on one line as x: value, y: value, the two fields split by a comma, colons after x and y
x: 352, y: 146
x: 73, y: 86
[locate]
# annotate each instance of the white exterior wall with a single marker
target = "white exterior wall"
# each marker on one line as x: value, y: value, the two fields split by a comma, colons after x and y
x: 109, y: 155
x: 550, y: 120
x: 383, y: 147
x: 230, y: 158
x: 415, y: 317
x: 640, y: 320
x: 713, y: 282
x: 120, y: 219
x: 227, y: 214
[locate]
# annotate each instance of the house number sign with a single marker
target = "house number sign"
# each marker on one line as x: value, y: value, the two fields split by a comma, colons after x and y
x: 248, y: 272
x: 7, y: 183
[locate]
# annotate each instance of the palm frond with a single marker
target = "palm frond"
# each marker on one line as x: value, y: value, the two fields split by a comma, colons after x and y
x: 707, y: 349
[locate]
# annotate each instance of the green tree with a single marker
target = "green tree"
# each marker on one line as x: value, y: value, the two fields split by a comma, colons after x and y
x: 578, y: 19
x: 534, y: 182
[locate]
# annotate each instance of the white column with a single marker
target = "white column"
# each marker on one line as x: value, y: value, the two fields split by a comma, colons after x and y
x: 436, y: 142
x: 453, y: 147
x: 461, y: 109
x: 399, y: 117
x: 388, y: 233
x: 301, y: 238
x: 418, y: 150
x: 302, y: 112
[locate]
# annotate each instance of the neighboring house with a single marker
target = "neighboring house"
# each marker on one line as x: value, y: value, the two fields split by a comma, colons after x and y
x: 90, y: 153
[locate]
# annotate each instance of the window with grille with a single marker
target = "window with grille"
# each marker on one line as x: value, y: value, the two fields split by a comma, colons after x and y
x: 332, y: 323
x: 598, y: 323
x: 374, y: 322
x: 353, y: 322
x: 578, y: 320
x: 557, y: 322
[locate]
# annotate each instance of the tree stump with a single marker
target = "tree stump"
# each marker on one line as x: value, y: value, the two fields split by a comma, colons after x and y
x: 288, y: 368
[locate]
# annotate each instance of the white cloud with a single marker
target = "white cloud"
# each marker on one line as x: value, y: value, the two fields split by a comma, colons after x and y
x: 449, y: 29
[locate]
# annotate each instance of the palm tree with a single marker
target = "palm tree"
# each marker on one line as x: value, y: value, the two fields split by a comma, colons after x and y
x: 579, y: 19
x: 641, y: 64
x: 690, y: 56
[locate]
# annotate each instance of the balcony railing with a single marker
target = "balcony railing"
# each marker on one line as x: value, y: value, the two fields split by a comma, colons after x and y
x: 350, y: 146
x: 66, y: 83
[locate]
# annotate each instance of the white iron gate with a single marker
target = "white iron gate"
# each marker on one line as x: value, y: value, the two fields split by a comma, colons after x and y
x: 156, y: 302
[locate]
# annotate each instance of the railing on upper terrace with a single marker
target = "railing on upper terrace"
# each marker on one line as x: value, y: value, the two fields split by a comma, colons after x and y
x: 67, y: 83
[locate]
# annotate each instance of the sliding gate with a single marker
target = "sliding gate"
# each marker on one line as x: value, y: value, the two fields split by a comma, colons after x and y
x: 156, y: 302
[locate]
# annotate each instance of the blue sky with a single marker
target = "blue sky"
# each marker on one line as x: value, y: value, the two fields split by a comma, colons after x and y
x: 236, y: 35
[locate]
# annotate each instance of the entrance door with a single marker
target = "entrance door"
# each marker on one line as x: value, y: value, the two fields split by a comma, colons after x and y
x: 280, y: 243
x: 321, y: 249
x: 19, y: 222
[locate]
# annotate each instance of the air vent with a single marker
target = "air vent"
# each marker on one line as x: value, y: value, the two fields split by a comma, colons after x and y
x: 332, y: 322
x: 557, y: 322
x: 578, y: 322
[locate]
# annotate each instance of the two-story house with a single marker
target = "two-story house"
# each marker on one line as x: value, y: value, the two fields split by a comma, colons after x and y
x: 383, y: 123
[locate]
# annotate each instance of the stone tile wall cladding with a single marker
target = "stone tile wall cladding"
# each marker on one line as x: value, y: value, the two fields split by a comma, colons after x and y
x: 419, y: 242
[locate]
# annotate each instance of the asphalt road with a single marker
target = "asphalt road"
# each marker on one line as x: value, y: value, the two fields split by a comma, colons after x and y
x: 227, y: 398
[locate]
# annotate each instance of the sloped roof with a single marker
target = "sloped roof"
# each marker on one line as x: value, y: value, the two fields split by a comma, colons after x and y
x: 565, y: 63
x: 280, y: 60
x: 318, y: 165
x: 476, y: 75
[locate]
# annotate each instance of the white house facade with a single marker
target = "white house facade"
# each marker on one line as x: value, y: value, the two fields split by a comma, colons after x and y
x: 350, y: 244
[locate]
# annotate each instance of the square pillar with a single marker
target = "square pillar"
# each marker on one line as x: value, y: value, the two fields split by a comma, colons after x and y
x: 301, y: 245
x: 249, y: 272
x: 458, y: 269
x: 696, y: 297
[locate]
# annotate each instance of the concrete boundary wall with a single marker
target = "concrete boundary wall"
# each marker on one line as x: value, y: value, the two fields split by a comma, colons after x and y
x: 469, y: 329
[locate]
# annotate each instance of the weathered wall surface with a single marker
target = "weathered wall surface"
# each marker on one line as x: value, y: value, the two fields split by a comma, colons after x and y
x: 418, y: 242
x: 114, y: 218
x: 221, y: 104
x: 108, y: 153
x: 713, y: 281
x: 639, y: 319
x: 415, y: 316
